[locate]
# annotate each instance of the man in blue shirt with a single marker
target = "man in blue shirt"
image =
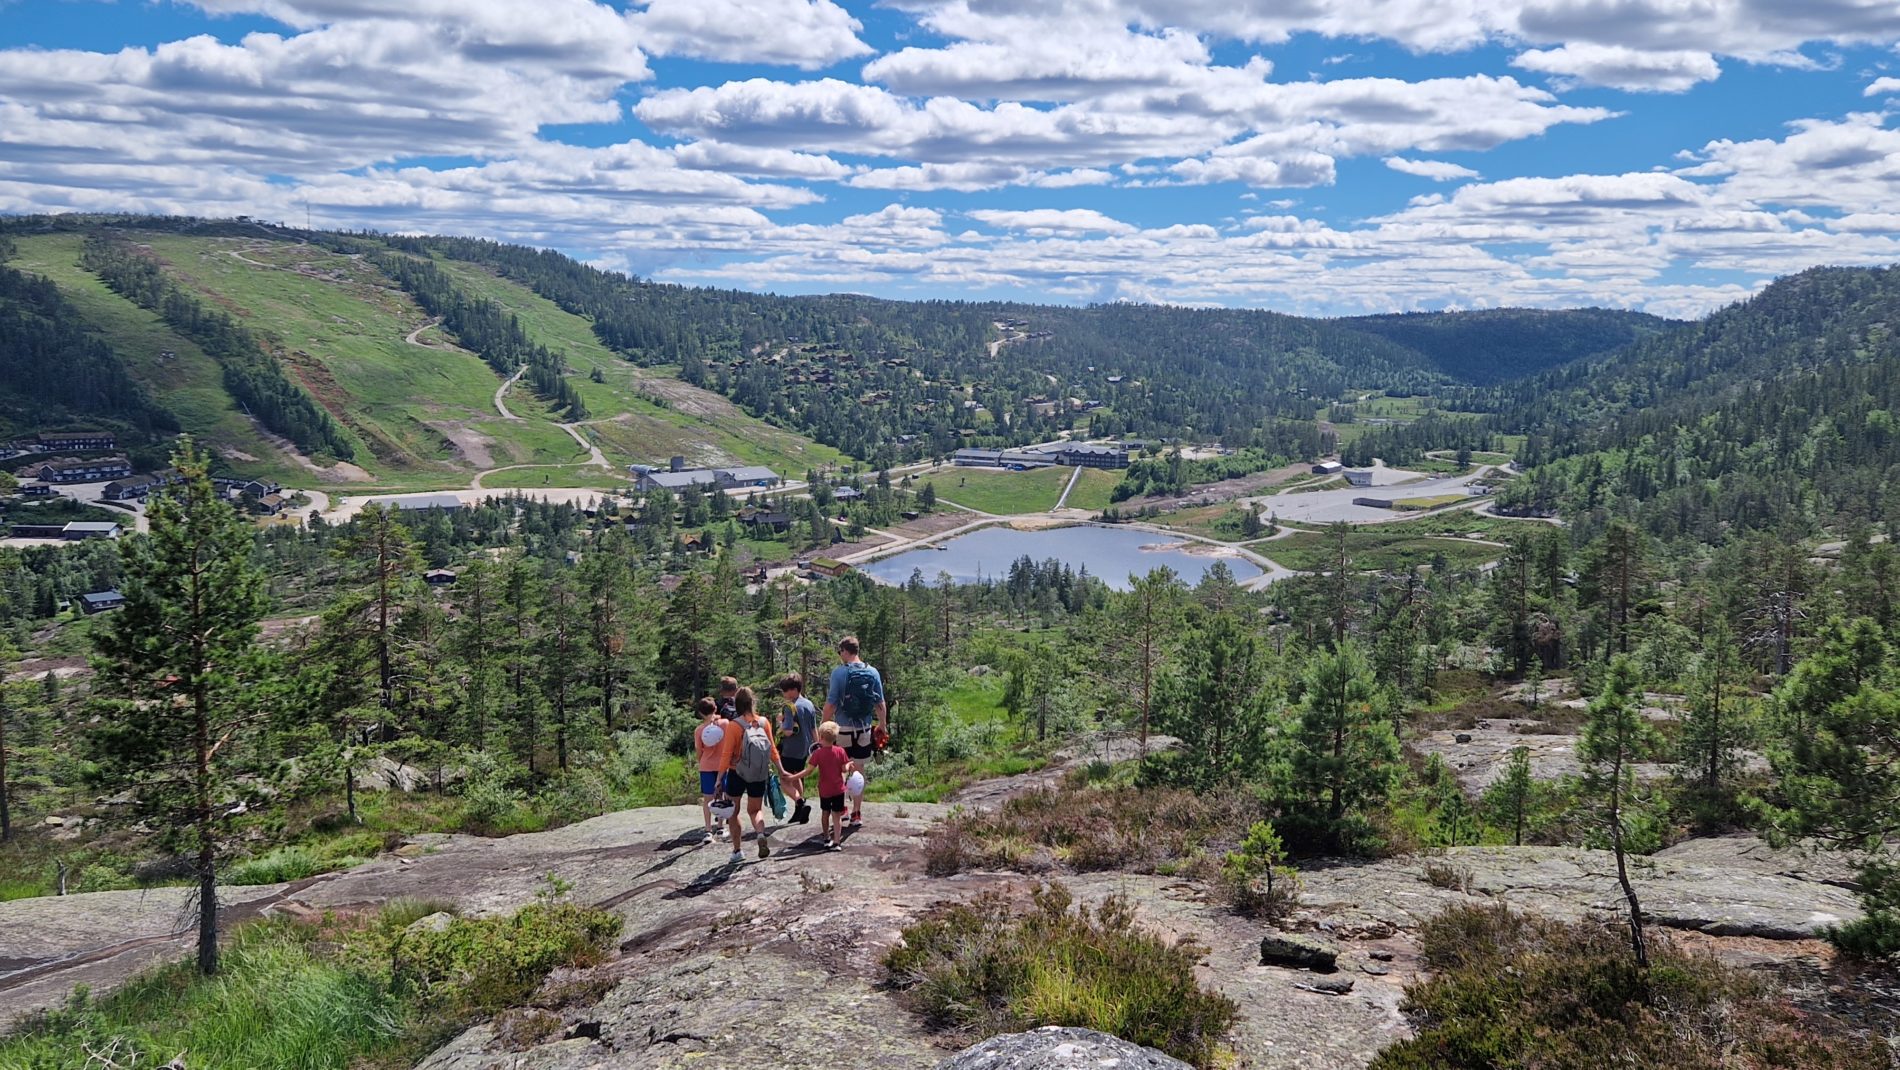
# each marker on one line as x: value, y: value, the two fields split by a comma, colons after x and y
x: 855, y: 700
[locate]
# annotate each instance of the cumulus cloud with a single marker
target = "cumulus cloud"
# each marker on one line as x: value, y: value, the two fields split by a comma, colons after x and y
x: 1436, y: 170
x: 1622, y: 67
x: 738, y: 181
x: 1039, y: 221
x: 794, y: 33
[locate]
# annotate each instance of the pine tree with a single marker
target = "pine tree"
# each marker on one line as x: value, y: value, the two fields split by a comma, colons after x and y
x: 1716, y: 726
x: 1511, y: 795
x: 1615, y: 738
x: 1340, y: 755
x: 181, y: 667
x: 1837, y: 766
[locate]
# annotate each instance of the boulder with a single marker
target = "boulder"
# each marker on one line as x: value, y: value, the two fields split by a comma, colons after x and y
x: 1057, y: 1047
x: 1298, y: 952
x: 432, y: 923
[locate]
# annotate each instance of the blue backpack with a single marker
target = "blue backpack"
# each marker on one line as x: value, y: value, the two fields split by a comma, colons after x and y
x: 857, y: 703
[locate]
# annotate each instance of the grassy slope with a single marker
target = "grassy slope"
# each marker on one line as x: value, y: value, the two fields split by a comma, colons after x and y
x: 993, y: 490
x: 190, y: 384
x: 341, y: 327
x: 1376, y: 550
x: 631, y: 426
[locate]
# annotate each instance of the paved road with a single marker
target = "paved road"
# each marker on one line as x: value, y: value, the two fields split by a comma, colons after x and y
x: 1327, y: 506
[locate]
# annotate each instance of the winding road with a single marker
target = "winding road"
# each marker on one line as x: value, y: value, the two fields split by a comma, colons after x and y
x: 500, y: 407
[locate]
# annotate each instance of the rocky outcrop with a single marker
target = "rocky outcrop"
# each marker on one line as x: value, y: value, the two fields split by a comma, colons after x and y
x: 776, y: 962
x: 1059, y: 1048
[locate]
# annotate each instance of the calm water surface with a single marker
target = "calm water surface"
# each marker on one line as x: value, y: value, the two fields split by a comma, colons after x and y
x: 1111, y: 554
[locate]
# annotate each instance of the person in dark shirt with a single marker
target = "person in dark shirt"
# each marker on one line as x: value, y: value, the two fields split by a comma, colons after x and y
x: 797, y: 732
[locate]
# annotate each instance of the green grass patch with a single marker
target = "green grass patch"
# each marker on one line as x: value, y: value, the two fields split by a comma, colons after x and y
x: 348, y: 993
x: 1226, y: 522
x: 1093, y: 489
x: 1332, y: 483
x: 288, y: 863
x: 1005, y: 493
x: 1374, y: 549
x: 1434, y: 501
x: 977, y: 969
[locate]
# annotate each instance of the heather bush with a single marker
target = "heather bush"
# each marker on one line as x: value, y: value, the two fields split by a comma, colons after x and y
x: 977, y: 969
x: 1090, y: 829
x: 1510, y: 991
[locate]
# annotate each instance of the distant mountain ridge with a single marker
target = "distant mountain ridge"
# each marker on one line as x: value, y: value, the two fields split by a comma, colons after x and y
x: 1496, y: 345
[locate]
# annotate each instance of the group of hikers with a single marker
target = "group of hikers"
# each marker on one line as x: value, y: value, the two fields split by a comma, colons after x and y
x: 743, y: 754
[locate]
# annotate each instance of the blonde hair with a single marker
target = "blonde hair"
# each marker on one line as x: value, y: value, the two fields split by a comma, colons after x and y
x: 828, y: 732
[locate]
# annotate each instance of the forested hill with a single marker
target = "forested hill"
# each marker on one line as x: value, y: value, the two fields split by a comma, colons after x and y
x: 1500, y: 344
x: 938, y: 368
x: 880, y: 380
x: 1779, y: 411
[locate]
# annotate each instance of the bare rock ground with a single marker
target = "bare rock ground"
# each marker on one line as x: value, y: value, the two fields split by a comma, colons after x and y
x: 775, y: 961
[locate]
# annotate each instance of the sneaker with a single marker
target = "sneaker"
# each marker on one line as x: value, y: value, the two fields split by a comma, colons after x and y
x: 856, y: 822
x: 765, y: 847
x: 834, y: 845
x: 801, y: 813
x: 708, y: 841
x: 735, y: 859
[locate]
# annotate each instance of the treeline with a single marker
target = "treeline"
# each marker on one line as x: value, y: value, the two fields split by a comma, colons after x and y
x: 1776, y: 414
x: 253, y: 376
x: 56, y: 368
x: 485, y: 327
x: 1488, y: 346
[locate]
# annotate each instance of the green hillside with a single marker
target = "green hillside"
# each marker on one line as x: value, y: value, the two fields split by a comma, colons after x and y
x: 416, y: 409
x: 645, y: 415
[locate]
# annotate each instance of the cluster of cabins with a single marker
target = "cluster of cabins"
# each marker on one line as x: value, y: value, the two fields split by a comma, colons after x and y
x: 1066, y: 455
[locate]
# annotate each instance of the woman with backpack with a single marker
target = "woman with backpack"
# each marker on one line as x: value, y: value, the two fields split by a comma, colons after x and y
x: 749, y: 764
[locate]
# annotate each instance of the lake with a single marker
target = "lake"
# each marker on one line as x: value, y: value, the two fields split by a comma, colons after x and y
x: 1111, y: 554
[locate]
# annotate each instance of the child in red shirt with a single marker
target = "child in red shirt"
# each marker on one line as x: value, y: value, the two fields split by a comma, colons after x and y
x: 833, y: 765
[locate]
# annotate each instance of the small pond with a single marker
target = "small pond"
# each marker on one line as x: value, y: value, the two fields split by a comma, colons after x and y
x: 1111, y: 554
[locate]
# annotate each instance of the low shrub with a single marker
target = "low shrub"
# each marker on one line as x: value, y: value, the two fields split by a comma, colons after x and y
x: 1510, y: 991
x: 1089, y: 829
x: 478, y: 965
x: 981, y: 968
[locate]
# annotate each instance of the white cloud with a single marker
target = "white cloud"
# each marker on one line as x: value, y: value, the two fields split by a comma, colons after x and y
x: 1622, y: 67
x: 795, y: 33
x: 1040, y: 221
x: 1881, y: 86
x: 1436, y: 170
x: 759, y: 162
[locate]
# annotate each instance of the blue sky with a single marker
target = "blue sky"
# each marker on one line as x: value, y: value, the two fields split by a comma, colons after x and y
x: 1332, y: 156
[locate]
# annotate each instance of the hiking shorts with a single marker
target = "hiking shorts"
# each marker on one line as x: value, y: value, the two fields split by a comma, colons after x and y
x: 708, y: 782
x: 831, y: 804
x: 737, y: 785
x: 791, y: 764
x: 856, y: 741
